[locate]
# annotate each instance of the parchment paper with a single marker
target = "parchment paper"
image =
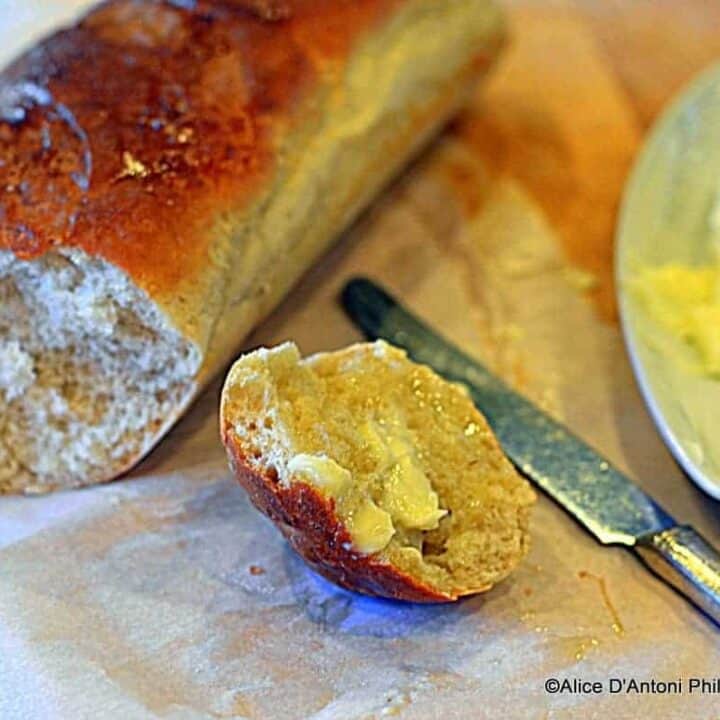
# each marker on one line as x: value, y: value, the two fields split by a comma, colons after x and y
x: 167, y: 596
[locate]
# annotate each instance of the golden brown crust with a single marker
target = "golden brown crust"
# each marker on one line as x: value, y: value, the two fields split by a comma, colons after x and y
x: 130, y: 133
x: 311, y: 526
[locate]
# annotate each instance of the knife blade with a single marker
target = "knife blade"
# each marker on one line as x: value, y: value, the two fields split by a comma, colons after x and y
x: 597, y: 495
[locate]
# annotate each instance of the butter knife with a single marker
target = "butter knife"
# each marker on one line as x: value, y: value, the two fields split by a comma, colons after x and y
x: 597, y: 495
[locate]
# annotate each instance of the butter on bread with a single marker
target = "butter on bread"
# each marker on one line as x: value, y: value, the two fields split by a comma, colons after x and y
x: 384, y: 477
x: 168, y: 170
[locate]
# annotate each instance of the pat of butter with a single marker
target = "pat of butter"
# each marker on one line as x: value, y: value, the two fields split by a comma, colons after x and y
x: 375, y: 444
x: 706, y: 336
x: 686, y: 301
x: 321, y: 471
x: 408, y: 495
x: 370, y: 527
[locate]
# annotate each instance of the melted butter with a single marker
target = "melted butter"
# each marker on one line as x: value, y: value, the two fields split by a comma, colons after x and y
x: 321, y: 471
x: 686, y: 302
x: 370, y: 527
x: 374, y: 443
x: 408, y: 495
x: 617, y: 626
x: 407, y: 499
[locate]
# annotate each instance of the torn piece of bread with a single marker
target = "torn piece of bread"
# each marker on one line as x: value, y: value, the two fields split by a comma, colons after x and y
x: 168, y: 170
x: 384, y: 477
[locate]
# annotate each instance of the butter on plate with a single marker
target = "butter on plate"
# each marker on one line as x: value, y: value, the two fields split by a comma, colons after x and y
x: 686, y: 302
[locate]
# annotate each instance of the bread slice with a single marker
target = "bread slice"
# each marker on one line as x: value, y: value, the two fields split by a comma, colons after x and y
x: 384, y: 477
x: 168, y: 170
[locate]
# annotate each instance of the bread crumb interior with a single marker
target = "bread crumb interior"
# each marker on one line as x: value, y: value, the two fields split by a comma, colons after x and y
x: 89, y: 370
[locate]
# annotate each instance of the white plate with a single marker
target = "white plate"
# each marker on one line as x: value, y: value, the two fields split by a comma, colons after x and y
x: 671, y: 213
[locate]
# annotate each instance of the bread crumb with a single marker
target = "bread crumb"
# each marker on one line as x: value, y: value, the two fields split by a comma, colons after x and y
x: 17, y: 371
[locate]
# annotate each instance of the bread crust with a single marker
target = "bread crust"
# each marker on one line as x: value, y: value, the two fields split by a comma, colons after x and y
x: 127, y: 134
x: 309, y: 523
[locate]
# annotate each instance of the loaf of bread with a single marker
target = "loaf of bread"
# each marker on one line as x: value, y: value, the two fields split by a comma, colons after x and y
x: 168, y: 169
x: 382, y: 475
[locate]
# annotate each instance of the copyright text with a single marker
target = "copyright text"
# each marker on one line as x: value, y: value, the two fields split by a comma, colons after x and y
x: 633, y: 686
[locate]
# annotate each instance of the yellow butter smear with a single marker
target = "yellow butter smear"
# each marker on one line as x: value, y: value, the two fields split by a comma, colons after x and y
x: 407, y: 500
x: 686, y: 302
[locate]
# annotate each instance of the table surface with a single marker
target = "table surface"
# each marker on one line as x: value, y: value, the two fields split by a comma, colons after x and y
x: 502, y: 235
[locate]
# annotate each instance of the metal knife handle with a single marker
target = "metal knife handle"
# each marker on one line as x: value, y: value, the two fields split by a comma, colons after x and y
x: 684, y: 559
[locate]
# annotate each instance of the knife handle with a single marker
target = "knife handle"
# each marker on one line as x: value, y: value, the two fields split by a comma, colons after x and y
x: 686, y: 561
